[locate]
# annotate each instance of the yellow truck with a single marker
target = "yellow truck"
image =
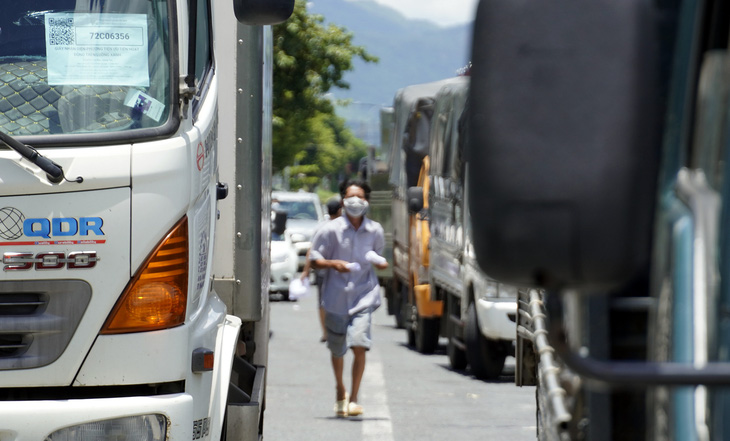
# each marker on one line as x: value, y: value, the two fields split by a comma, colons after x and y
x: 413, y: 304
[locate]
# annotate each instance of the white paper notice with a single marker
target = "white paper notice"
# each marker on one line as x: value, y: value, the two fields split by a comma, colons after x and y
x: 100, y: 49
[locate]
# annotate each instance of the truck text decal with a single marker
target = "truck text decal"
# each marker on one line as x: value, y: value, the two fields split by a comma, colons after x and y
x: 14, y: 225
x: 24, y: 261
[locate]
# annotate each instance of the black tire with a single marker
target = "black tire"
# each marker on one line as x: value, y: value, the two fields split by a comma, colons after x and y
x: 427, y: 335
x: 486, y: 357
x: 411, y: 323
x: 286, y: 295
x: 457, y: 356
x: 399, y: 303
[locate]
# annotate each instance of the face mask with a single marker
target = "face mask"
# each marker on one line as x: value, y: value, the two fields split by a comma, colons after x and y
x: 355, y: 207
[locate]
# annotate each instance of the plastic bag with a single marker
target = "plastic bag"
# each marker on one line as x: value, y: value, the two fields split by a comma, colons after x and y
x: 373, y: 257
x: 298, y: 288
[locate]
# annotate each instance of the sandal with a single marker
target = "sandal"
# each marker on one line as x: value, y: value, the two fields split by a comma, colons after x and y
x: 354, y: 409
x: 341, y: 407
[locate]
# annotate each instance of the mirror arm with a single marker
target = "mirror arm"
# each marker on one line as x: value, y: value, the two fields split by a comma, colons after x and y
x: 629, y: 373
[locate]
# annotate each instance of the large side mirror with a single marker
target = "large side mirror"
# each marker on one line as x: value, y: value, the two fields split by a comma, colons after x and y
x: 415, y: 199
x: 262, y: 12
x: 565, y: 123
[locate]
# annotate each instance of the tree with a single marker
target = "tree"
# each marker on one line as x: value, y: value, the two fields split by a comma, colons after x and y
x: 309, y: 60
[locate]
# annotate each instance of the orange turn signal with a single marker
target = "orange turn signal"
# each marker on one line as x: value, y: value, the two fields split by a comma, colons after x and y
x: 156, y: 297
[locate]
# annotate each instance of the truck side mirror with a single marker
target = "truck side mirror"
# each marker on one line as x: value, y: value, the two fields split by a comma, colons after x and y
x: 279, y: 222
x: 262, y: 12
x: 565, y: 123
x: 415, y: 199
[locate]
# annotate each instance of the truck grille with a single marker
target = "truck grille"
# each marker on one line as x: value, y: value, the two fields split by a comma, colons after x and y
x: 38, y: 319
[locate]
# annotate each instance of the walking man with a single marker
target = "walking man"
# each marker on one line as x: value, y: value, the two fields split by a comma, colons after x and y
x: 348, y: 248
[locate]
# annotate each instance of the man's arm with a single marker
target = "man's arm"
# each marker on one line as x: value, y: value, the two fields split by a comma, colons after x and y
x: 318, y: 253
x: 337, y: 265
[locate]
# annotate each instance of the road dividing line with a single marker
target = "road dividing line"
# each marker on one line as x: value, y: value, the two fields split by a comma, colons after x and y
x: 377, y: 424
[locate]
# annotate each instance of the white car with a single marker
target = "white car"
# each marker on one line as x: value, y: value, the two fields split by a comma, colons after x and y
x: 304, y: 213
x: 283, y: 263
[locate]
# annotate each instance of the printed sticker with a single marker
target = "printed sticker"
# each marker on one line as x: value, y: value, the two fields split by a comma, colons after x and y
x: 99, y: 49
x: 140, y: 101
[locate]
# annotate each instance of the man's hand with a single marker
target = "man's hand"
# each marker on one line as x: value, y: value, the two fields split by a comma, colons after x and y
x: 340, y: 266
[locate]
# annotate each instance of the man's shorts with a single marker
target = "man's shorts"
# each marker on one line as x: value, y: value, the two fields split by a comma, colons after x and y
x: 344, y: 332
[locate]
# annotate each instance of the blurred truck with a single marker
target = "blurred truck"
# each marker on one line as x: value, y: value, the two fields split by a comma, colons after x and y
x: 599, y: 132
x: 125, y: 126
x: 412, y: 303
x: 479, y: 316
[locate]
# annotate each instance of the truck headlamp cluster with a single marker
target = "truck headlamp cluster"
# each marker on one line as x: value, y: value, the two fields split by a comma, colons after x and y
x: 134, y: 428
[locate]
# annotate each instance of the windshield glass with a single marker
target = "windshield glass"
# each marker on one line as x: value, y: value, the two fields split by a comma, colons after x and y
x: 84, y: 66
x: 299, y: 209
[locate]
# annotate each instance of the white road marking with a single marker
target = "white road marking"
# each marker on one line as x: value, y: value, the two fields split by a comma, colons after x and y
x: 377, y: 424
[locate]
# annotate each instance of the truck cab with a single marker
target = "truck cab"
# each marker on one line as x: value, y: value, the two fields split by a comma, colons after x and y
x: 109, y: 207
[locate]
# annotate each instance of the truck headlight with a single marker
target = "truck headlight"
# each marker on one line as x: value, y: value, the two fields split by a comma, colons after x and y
x: 134, y: 428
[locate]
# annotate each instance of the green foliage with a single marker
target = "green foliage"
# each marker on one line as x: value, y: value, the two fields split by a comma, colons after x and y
x: 309, y: 60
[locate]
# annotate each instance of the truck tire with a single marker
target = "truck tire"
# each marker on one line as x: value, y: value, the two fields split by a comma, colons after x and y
x: 454, y: 348
x: 411, y: 322
x: 486, y: 357
x: 457, y: 357
x: 399, y: 306
x: 427, y: 335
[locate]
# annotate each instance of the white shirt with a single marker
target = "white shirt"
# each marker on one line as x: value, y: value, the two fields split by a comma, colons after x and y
x: 349, y: 293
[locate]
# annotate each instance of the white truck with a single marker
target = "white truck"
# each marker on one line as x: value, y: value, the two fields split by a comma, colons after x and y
x: 479, y: 312
x: 128, y: 309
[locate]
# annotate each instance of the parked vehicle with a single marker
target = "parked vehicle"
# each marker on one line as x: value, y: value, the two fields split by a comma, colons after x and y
x: 415, y: 308
x: 304, y: 213
x: 599, y: 133
x: 117, y: 319
x: 283, y: 263
x: 479, y: 321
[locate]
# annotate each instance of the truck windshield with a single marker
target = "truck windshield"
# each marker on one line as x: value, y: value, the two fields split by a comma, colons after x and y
x: 83, y: 66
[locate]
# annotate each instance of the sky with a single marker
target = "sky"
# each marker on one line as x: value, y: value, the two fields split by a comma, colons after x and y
x: 442, y: 12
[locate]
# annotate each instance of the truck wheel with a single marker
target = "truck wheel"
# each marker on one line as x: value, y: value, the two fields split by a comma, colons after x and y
x: 457, y: 357
x: 399, y: 306
x: 411, y: 323
x: 455, y: 333
x: 427, y: 335
x: 455, y: 352
x: 486, y: 357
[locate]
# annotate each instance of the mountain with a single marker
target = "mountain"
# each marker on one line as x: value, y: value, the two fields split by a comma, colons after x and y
x: 410, y: 52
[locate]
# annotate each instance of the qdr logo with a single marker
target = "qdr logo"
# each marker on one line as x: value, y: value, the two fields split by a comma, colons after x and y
x: 14, y: 225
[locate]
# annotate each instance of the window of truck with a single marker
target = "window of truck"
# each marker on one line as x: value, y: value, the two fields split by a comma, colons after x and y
x: 84, y: 67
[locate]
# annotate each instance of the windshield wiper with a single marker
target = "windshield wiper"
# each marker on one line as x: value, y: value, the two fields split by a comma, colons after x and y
x: 54, y: 172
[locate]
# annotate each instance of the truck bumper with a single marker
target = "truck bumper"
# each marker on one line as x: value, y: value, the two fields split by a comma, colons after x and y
x: 35, y: 420
x: 497, y: 318
x: 427, y: 308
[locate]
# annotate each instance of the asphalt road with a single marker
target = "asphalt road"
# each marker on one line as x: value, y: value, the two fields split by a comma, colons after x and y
x: 406, y: 395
